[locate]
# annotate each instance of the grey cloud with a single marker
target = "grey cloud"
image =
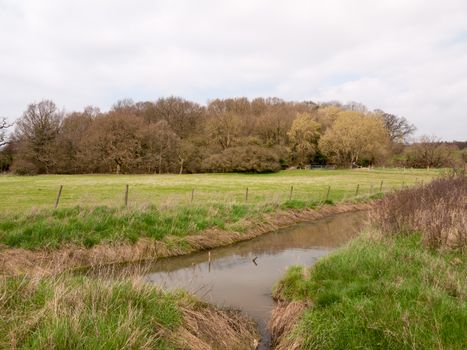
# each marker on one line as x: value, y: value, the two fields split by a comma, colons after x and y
x: 406, y: 57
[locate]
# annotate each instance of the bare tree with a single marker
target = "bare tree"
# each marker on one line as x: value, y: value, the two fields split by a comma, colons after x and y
x: 3, y: 126
x: 398, y: 128
x: 160, y: 144
x: 185, y: 118
x: 224, y: 128
x: 355, y: 107
x: 74, y: 129
x: 174, y: 135
x: 113, y: 143
x: 37, y: 131
x: 429, y: 151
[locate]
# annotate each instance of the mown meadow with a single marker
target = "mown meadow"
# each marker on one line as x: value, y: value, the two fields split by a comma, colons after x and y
x: 26, y: 193
x: 92, y: 207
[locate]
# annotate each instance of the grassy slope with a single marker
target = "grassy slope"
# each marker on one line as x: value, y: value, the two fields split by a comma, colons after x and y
x: 382, y: 294
x: 88, y: 227
x: 80, y: 313
x: 69, y: 312
x: 219, y: 203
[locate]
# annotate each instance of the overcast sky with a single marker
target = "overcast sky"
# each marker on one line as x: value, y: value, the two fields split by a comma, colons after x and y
x: 407, y: 57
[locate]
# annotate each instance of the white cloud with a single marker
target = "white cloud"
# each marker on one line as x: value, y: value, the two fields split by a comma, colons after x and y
x: 406, y: 57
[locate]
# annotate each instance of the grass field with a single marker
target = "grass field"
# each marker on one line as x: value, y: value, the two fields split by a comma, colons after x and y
x: 91, y: 210
x: 385, y: 292
x: 26, y: 193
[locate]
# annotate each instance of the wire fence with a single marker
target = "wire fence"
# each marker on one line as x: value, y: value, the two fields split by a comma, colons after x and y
x: 23, y: 194
x: 134, y: 197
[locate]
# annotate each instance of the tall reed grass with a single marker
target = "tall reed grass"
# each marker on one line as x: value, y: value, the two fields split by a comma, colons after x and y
x: 438, y: 211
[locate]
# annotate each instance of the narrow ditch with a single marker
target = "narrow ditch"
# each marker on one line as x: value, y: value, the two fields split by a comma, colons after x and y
x: 241, y: 276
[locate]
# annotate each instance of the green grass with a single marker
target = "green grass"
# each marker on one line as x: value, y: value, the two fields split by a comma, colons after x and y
x: 26, y: 193
x: 89, y: 226
x: 381, y: 294
x: 71, y: 312
x: 82, y: 313
x: 219, y: 202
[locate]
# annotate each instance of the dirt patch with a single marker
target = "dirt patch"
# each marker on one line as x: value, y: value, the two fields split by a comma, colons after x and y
x: 15, y: 261
x: 283, y: 320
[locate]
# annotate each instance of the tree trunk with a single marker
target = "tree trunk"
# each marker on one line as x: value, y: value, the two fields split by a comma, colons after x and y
x: 181, y: 166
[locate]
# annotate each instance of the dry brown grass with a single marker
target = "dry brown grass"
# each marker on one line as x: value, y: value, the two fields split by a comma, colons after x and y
x: 285, y: 317
x: 438, y: 211
x: 14, y: 261
x: 210, y: 328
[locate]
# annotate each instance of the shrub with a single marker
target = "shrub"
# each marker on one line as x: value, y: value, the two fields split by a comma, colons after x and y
x: 437, y: 210
x: 24, y: 167
x: 247, y: 159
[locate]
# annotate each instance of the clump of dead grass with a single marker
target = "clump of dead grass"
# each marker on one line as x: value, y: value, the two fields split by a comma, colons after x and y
x: 284, y: 318
x: 436, y: 210
x: 206, y: 328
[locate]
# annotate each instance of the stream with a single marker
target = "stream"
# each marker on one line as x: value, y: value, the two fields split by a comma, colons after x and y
x: 241, y: 276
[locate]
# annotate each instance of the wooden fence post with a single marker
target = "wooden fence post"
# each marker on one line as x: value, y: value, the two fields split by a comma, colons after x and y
x: 371, y: 189
x: 59, y: 194
x: 209, y: 260
x: 291, y: 192
x: 356, y: 191
x: 246, y: 195
x: 381, y: 186
x: 126, y: 196
x: 327, y: 193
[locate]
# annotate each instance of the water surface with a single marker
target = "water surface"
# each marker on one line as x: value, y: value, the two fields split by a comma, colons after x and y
x: 242, y: 275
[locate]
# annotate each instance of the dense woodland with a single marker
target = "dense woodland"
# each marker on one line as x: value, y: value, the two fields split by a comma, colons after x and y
x: 173, y: 135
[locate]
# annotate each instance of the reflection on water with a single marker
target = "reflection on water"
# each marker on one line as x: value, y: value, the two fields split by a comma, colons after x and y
x: 242, y: 275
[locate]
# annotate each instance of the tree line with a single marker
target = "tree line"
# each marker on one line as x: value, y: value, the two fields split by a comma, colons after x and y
x: 174, y: 135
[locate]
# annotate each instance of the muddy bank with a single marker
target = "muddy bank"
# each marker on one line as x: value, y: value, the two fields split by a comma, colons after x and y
x: 285, y: 316
x: 17, y: 261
